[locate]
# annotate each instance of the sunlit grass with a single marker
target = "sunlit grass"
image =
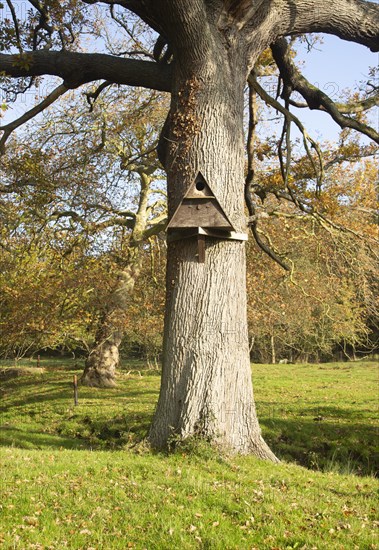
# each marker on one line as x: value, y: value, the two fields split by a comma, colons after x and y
x: 321, y: 416
x: 79, y: 478
x: 83, y: 499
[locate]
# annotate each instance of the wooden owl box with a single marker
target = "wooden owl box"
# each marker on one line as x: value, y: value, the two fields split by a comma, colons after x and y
x: 200, y: 215
x: 200, y: 208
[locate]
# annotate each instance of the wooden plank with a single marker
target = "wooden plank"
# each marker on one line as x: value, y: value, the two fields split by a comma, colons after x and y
x: 75, y: 390
x: 200, y: 213
x: 201, y: 248
x: 186, y: 233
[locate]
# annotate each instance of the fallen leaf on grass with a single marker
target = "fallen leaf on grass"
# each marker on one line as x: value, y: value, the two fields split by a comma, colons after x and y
x: 30, y: 520
x: 342, y: 526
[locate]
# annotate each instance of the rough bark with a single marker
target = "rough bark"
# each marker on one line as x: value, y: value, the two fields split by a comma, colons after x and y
x: 356, y: 20
x: 206, y: 381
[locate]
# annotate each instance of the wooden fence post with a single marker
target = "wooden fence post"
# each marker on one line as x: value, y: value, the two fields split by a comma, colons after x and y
x: 75, y: 390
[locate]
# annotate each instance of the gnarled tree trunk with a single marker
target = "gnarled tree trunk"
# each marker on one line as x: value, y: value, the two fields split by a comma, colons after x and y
x: 102, y: 362
x: 213, y: 45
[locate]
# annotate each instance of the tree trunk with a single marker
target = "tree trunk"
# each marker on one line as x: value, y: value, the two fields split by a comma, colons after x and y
x: 206, y: 384
x: 273, y: 351
x: 102, y: 362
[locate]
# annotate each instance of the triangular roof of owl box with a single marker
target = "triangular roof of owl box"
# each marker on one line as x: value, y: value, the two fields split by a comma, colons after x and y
x: 199, y: 189
x: 200, y: 208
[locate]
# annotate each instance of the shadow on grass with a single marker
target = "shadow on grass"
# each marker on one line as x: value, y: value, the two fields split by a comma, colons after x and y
x: 314, y: 435
x: 65, y: 393
x: 328, y: 411
x: 117, y: 431
x: 324, y: 445
x: 62, y: 391
x: 42, y: 414
x: 319, y: 411
x: 16, y: 437
x: 80, y: 431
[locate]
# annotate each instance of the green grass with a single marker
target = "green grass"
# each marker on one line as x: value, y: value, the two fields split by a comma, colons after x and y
x: 76, y: 477
x: 84, y: 499
x: 321, y: 416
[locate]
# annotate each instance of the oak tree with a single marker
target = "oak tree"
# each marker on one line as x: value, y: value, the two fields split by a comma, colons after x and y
x: 205, y: 53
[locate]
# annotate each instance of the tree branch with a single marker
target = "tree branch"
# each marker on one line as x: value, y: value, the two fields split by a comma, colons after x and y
x: 352, y: 20
x: 15, y: 23
x: 354, y: 107
x: 79, y: 68
x: 92, y: 96
x: 290, y: 117
x: 315, y: 98
x: 142, y: 8
x: 155, y: 228
x: 9, y: 128
x: 249, y: 183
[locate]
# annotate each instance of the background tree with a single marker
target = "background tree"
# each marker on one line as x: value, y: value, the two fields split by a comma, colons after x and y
x: 330, y: 250
x: 213, y: 47
x: 88, y: 198
x: 41, y: 304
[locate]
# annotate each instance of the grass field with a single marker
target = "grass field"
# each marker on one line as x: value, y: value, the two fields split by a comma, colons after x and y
x: 80, y: 478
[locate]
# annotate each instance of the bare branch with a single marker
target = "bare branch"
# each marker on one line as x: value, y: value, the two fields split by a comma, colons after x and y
x: 136, y: 6
x: 92, y: 96
x: 43, y: 22
x: 267, y: 249
x: 249, y: 183
x: 291, y: 117
x: 15, y: 23
x: 315, y: 98
x: 363, y: 152
x: 251, y: 133
x: 9, y: 128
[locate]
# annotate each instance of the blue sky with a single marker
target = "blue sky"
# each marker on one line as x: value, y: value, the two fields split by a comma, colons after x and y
x: 334, y: 66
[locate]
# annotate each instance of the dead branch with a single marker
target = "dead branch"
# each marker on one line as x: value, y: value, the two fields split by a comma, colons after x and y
x: 249, y: 183
x: 290, y: 117
x: 49, y: 100
x: 315, y: 98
